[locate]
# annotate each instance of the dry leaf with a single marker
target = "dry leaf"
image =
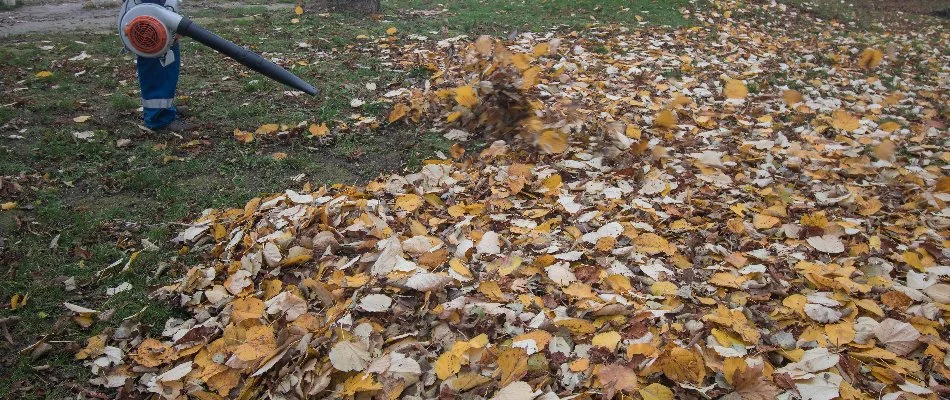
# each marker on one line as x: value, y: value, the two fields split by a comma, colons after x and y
x: 735, y: 89
x: 616, y: 378
x: 349, y: 356
x: 842, y: 119
x: 665, y: 119
x: 870, y: 58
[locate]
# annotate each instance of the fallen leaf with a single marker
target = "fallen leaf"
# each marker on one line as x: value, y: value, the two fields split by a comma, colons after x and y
x: 665, y: 119
x: 656, y: 391
x: 318, y: 131
x: 870, y: 58
x: 616, y: 378
x: 735, y: 89
x: 349, y: 356
x: 841, y: 119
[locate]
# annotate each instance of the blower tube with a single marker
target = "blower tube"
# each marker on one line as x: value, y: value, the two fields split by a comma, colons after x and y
x: 244, y: 56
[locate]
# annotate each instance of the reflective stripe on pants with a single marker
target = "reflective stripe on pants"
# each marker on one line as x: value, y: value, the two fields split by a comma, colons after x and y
x: 157, y: 103
x: 158, y: 84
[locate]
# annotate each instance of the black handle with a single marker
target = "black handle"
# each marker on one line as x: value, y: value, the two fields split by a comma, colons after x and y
x: 244, y: 56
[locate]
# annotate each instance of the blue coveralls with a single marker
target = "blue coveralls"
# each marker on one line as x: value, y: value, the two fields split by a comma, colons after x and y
x: 158, y: 84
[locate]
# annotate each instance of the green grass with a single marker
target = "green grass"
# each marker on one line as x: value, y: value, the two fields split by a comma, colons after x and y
x: 101, y: 199
x: 875, y: 15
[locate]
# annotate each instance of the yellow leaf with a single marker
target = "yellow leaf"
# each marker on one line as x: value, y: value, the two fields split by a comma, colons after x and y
x: 656, y: 391
x: 18, y: 301
x: 409, y: 202
x: 399, y: 111
x: 492, y: 290
x: 870, y: 58
x: 521, y: 61
x: 725, y: 279
x: 448, y: 364
x: 541, y: 49
x: 652, y: 243
x: 609, y: 339
x: 792, y: 96
x: 890, y: 126
x: 875, y: 353
x: 841, y: 119
x: 580, y: 365
x: 552, y: 142
x: 665, y: 119
x: 246, y: 308
x: 243, y: 137
x: 540, y: 338
x: 298, y: 10
x: 318, y: 130
x: 576, y: 326
x: 279, y: 155
x: 259, y: 342
x: 8, y: 205
x: 530, y: 78
x: 82, y: 118
x: 360, y: 383
x: 943, y: 184
x: 44, y: 74
x: 683, y: 365
x: 762, y: 221
x: 465, y: 96
x: 619, y: 283
x: 913, y: 259
x: 94, y: 347
x: 223, y: 382
x: 735, y: 89
x: 151, y: 353
x: 580, y: 290
x: 271, y: 288
x: 796, y: 302
x: 869, y: 306
x: 392, y: 30
x: 298, y: 259
x: 849, y: 392
x: 513, y: 364
x: 817, y: 220
x: 267, y: 129
x: 466, y: 381
x: 459, y: 268
x: 481, y: 341
x: 663, y: 288
x: 840, y: 334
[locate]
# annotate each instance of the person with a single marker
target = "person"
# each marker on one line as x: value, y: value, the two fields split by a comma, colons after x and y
x: 158, y: 81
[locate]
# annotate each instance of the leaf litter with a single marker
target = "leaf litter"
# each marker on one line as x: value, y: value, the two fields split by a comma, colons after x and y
x: 767, y: 221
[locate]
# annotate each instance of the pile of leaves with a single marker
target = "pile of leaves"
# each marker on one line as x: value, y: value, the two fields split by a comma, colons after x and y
x: 767, y: 220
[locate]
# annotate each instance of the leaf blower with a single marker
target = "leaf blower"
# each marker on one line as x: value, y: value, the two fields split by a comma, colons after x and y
x: 149, y: 30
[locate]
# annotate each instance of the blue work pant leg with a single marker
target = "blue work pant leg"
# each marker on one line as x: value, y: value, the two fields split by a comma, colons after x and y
x: 158, y: 84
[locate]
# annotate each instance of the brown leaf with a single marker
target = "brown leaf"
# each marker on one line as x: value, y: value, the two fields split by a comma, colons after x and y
x: 616, y: 378
x: 750, y: 384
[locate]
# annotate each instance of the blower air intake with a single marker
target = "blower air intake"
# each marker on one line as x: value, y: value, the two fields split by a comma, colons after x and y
x: 147, y: 30
x: 146, y: 34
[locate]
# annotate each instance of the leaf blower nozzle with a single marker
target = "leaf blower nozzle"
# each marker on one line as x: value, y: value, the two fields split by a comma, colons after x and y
x: 147, y: 30
x: 244, y: 56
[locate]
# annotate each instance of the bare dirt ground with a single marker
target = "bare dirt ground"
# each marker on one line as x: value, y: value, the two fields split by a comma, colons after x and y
x: 81, y: 16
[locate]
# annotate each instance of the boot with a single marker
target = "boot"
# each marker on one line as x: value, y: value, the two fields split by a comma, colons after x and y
x: 177, y: 126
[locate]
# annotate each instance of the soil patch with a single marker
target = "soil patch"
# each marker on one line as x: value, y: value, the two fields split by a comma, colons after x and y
x: 76, y: 16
